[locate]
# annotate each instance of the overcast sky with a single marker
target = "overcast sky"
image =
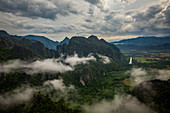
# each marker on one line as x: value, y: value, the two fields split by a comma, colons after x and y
x: 108, y: 19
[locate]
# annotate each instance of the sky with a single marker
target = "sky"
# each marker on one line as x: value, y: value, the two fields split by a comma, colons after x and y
x: 108, y: 19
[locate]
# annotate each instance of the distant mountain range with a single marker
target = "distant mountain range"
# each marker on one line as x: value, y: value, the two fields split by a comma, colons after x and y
x: 126, y: 45
x: 128, y: 48
x: 144, y: 44
x: 50, y: 44
x: 142, y: 41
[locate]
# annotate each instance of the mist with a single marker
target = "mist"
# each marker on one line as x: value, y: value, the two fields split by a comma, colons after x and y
x: 75, y: 60
x: 17, y: 96
x: 46, y: 65
x: 139, y: 75
x: 25, y: 93
x: 104, y: 59
x: 39, y: 66
x: 120, y: 104
x: 58, y: 84
x: 163, y: 75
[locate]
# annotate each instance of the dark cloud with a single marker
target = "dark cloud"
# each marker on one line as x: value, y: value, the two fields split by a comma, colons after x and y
x: 126, y: 1
x: 152, y: 21
x: 67, y: 29
x: 98, y: 3
x: 99, y: 17
x: 88, y: 27
x: 22, y: 26
x: 88, y: 20
x: 14, y: 24
x: 33, y: 9
x: 149, y: 14
x: 94, y: 2
x: 91, y: 10
x: 110, y: 15
x: 167, y: 15
x: 155, y: 20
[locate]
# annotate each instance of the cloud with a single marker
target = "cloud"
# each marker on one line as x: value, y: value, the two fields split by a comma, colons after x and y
x: 58, y: 84
x: 166, y: 13
x: 46, y: 65
x: 139, y: 75
x: 95, y: 2
x: 39, y: 66
x: 150, y: 13
x: 25, y: 93
x: 120, y: 104
x: 104, y: 59
x: 15, y: 97
x: 38, y: 8
x: 101, y: 4
x: 104, y: 18
x: 104, y: 5
x: 56, y: 89
x: 163, y: 75
x: 125, y: 1
x: 74, y: 60
x: 152, y: 20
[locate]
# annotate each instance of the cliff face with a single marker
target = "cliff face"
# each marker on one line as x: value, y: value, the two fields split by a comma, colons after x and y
x: 84, y: 46
x: 11, y: 48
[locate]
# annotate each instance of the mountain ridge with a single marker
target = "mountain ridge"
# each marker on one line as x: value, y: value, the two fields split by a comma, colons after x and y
x: 46, y: 41
x: 81, y: 45
x: 84, y: 46
x: 141, y: 41
x: 50, y: 44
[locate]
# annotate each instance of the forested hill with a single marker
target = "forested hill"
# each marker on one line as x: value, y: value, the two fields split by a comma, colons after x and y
x: 50, y: 44
x: 84, y: 46
x: 12, y: 48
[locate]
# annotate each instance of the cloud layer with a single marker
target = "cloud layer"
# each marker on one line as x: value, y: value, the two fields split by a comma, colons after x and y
x: 120, y: 104
x: 104, y: 59
x: 139, y: 75
x: 18, y: 96
x: 38, y: 8
x: 105, y: 18
x: 74, y: 60
x: 46, y: 65
x: 25, y: 93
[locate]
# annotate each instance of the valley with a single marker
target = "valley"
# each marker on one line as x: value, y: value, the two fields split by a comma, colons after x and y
x: 84, y: 56
x: 83, y: 75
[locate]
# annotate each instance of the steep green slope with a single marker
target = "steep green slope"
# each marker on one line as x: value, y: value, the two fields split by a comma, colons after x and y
x: 50, y: 44
x: 84, y: 46
x: 11, y: 48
